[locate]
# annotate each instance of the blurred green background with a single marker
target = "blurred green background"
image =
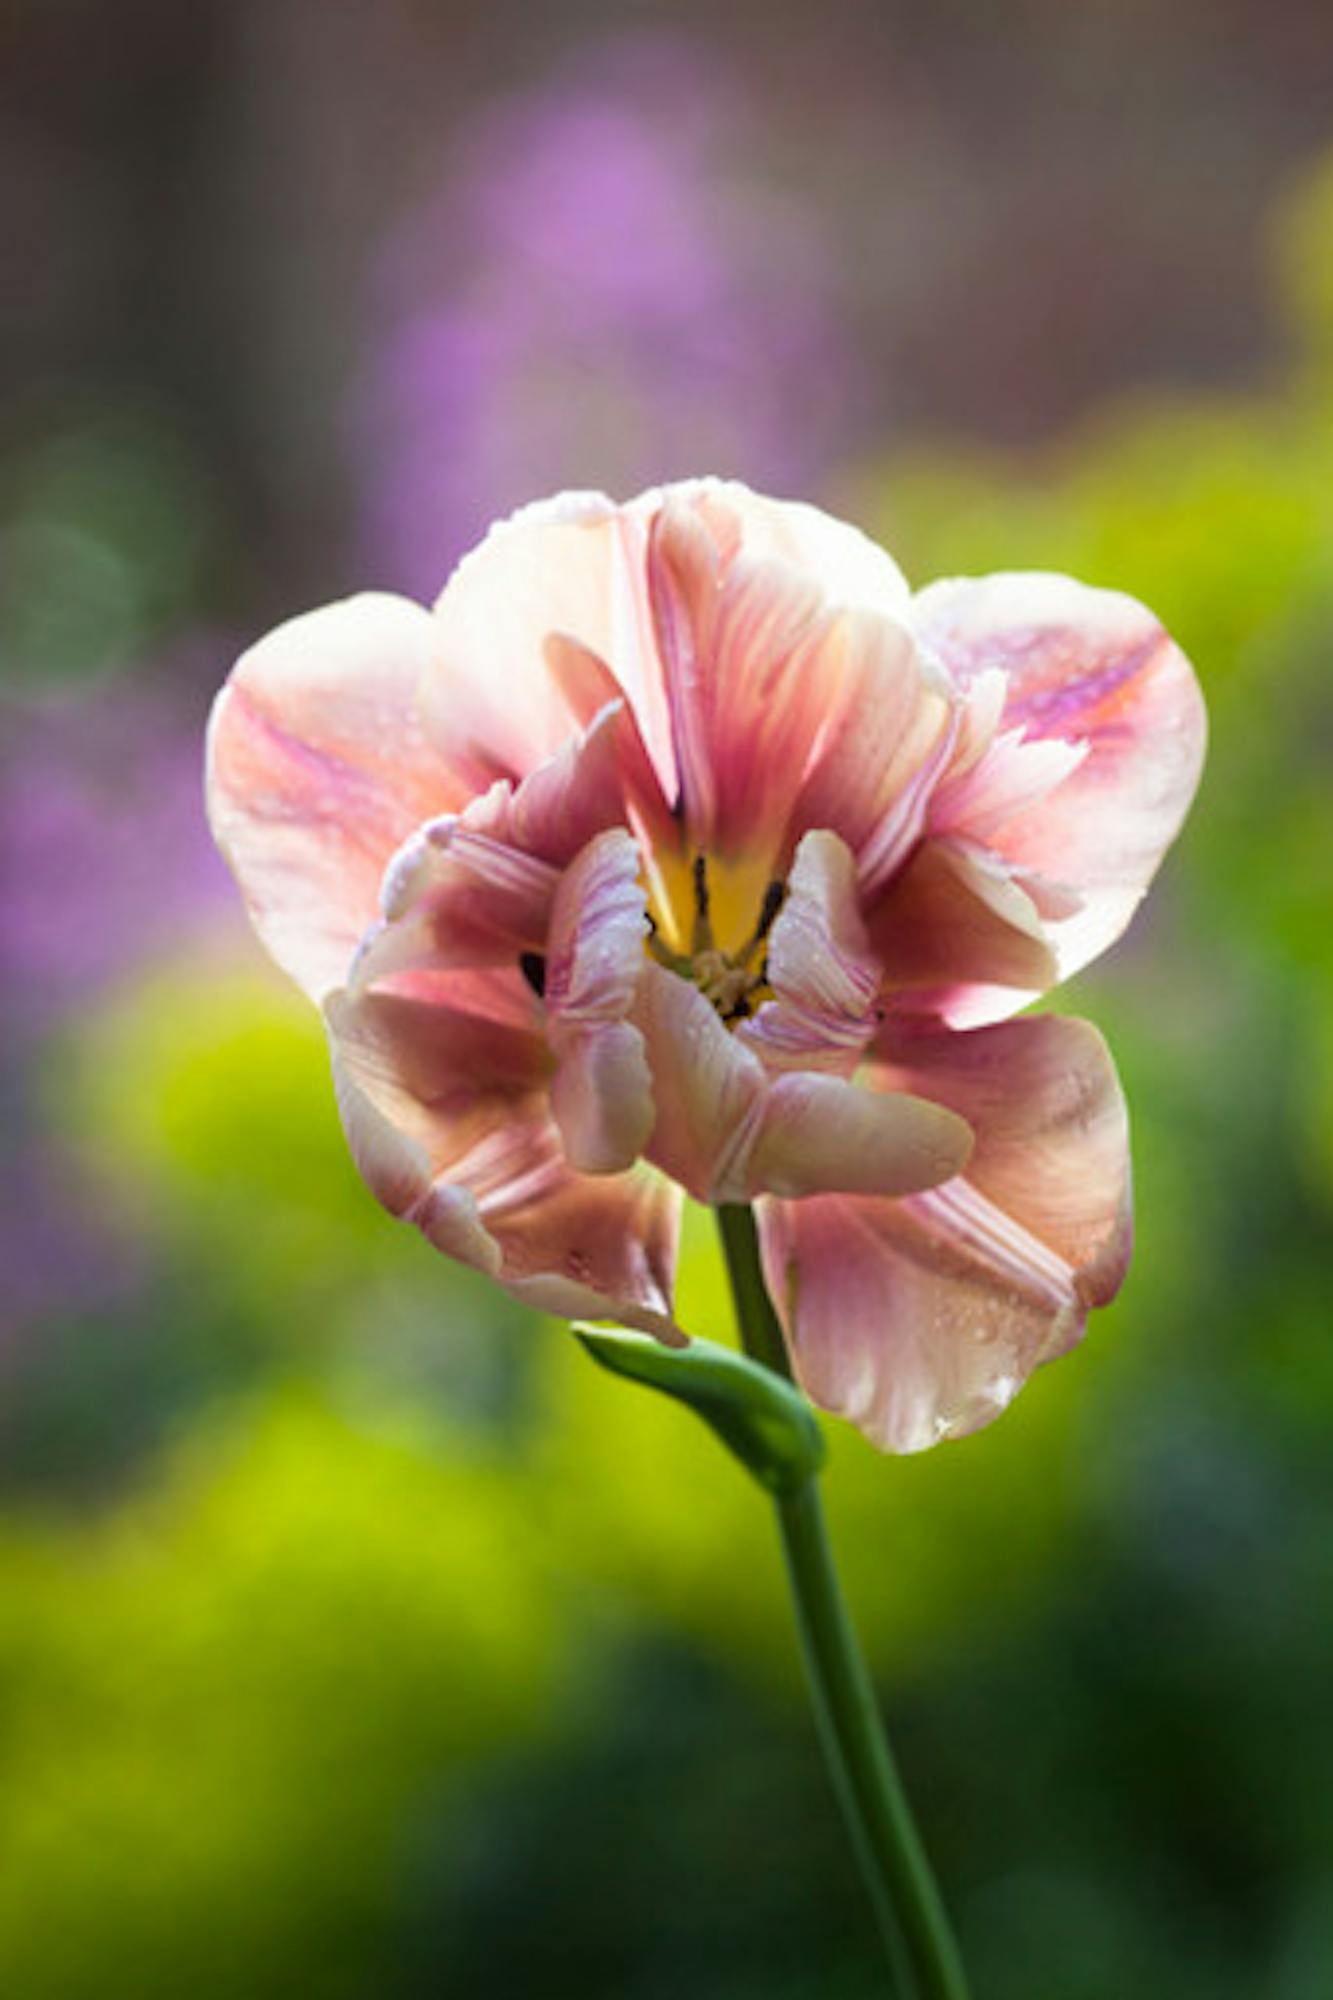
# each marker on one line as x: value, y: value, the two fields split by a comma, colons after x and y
x: 357, y: 1636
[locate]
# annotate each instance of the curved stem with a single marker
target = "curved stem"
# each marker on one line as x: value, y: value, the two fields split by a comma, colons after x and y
x: 898, y: 1875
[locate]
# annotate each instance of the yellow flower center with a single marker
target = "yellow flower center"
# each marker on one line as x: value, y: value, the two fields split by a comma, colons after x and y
x: 710, y: 923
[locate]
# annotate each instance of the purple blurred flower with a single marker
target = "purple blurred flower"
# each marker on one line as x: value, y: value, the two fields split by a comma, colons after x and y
x: 104, y: 856
x: 598, y: 296
x: 105, y: 862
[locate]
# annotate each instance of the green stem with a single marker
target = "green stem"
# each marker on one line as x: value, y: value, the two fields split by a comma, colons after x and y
x: 902, y: 1886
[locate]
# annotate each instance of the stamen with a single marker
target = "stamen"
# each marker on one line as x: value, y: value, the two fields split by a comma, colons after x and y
x: 674, y: 961
x: 533, y: 967
x: 775, y: 895
x: 701, y: 938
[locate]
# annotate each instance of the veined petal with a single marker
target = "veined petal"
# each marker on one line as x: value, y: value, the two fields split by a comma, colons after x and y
x: 888, y: 724
x: 852, y: 570
x: 707, y: 1088
x: 590, y: 689
x: 820, y: 1134
x: 318, y: 767
x: 893, y: 1327
x: 684, y: 579
x: 728, y: 1132
x: 1085, y: 667
x: 602, y: 1096
x: 749, y: 679
x: 921, y: 1319
x: 573, y: 565
x: 456, y: 896
x: 1052, y: 1149
x: 448, y: 1122
x: 820, y: 966
x: 1013, y: 774
x: 953, y: 926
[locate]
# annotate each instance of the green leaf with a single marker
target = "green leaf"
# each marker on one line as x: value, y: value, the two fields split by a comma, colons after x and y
x: 764, y: 1420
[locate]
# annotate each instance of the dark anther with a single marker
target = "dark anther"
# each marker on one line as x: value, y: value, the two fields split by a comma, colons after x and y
x: 533, y: 967
x: 774, y: 896
x: 741, y: 1011
x: 701, y: 885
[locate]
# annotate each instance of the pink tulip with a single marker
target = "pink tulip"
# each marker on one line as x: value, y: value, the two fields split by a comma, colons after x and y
x: 681, y: 847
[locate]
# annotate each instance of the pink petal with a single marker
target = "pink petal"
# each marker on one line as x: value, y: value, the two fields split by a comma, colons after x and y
x: 573, y: 795
x: 953, y: 926
x: 892, y: 1328
x: 852, y: 570
x: 478, y: 889
x: 747, y: 673
x: 707, y: 1087
x: 447, y: 1119
x: 1085, y: 667
x: 455, y: 896
x: 602, y: 1095
x: 318, y: 768
x: 887, y: 727
x: 1052, y: 1149
x: 684, y: 578
x: 590, y: 689
x: 820, y: 966
x: 921, y: 1319
x: 726, y: 1133
x: 820, y: 1134
x: 572, y: 565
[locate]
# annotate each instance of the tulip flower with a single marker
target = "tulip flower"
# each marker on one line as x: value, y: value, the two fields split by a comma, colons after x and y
x: 681, y: 849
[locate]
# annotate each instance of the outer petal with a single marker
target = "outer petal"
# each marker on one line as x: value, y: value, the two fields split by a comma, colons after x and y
x: 921, y: 1319
x: 1052, y: 1129
x: 318, y: 768
x: 602, y: 1095
x: 572, y: 565
x: 1084, y: 667
x: 851, y: 569
x: 446, y: 1117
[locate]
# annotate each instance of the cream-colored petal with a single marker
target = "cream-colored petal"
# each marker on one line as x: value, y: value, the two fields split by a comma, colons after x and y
x: 821, y: 1134
x: 318, y: 768
x: 571, y: 565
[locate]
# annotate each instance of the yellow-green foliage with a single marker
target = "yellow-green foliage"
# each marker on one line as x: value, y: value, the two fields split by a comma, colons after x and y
x: 224, y: 1701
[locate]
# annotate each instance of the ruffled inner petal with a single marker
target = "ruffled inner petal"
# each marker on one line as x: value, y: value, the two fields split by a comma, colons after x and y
x: 602, y: 1096
x: 820, y: 966
x: 953, y: 925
